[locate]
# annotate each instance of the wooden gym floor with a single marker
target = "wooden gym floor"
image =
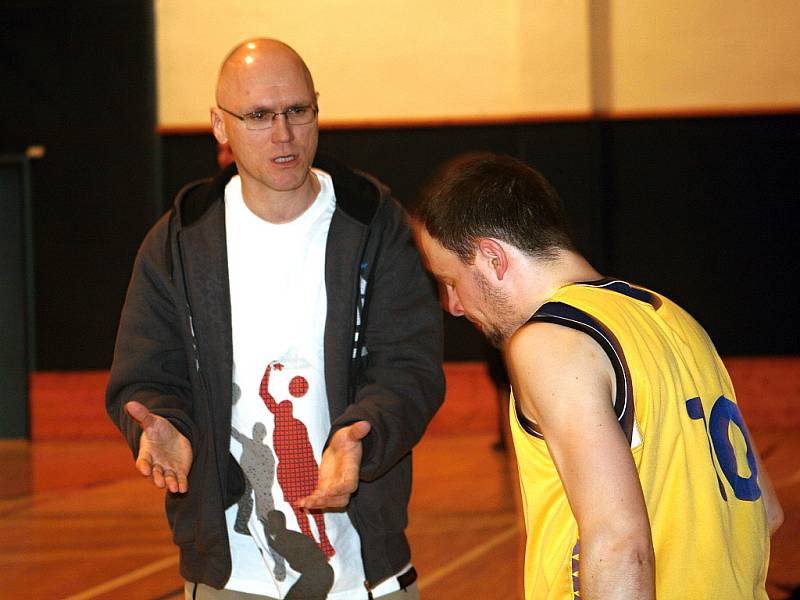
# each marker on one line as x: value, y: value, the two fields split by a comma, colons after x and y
x: 77, y: 523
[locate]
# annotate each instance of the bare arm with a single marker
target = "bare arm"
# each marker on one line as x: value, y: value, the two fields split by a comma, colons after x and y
x: 563, y: 380
x: 264, y: 391
x: 242, y: 439
x: 771, y: 503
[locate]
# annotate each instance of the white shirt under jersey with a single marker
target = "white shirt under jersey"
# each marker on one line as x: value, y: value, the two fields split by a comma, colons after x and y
x: 278, y: 310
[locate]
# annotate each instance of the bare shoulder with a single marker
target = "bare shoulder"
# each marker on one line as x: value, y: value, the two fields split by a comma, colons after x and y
x: 549, y: 362
x: 544, y: 349
x: 536, y: 335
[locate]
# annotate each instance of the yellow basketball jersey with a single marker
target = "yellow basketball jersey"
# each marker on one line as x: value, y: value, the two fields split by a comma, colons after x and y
x: 692, y: 450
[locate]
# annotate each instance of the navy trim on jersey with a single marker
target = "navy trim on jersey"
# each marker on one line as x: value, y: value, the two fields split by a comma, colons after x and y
x: 625, y: 288
x: 569, y: 316
x: 576, y: 570
x: 528, y: 425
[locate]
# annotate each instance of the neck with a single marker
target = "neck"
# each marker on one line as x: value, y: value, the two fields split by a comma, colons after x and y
x: 280, y: 206
x: 547, y: 277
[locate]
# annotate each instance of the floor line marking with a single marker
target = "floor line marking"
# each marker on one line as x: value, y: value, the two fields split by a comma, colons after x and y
x: 118, y: 582
x: 467, y: 557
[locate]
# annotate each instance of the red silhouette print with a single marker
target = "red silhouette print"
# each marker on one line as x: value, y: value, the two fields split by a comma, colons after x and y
x: 297, y: 470
x: 298, y: 386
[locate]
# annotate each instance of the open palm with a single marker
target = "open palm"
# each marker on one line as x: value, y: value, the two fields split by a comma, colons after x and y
x: 165, y: 455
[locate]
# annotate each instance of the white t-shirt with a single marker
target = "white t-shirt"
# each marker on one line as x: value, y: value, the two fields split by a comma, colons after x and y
x: 280, y: 412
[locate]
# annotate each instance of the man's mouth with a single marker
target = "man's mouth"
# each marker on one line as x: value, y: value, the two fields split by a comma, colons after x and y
x: 284, y: 159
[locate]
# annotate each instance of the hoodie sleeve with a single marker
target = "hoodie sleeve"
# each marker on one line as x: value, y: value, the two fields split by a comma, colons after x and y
x: 150, y: 358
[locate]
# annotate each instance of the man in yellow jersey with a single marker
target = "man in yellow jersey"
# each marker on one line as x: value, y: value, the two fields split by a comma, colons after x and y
x: 638, y: 474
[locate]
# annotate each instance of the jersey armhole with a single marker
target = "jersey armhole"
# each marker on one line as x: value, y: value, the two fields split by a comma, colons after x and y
x: 566, y: 315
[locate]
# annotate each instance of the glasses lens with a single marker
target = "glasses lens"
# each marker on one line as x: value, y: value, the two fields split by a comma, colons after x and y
x: 297, y: 115
x: 300, y: 115
x: 260, y: 119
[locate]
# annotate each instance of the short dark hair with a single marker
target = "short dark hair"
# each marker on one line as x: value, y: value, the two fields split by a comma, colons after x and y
x: 485, y: 195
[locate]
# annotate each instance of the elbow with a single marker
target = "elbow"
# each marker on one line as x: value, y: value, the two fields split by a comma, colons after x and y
x: 617, y: 560
x: 775, y: 516
x: 635, y: 551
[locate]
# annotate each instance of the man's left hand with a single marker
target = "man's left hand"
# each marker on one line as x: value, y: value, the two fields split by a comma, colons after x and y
x: 339, y: 469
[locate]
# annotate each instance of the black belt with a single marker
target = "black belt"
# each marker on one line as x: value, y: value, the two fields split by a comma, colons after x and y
x: 407, y: 578
x: 404, y: 580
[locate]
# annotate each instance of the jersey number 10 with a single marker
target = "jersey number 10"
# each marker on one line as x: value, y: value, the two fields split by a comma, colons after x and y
x: 723, y: 414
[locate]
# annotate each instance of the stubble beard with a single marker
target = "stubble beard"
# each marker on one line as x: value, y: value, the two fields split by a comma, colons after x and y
x: 501, y: 311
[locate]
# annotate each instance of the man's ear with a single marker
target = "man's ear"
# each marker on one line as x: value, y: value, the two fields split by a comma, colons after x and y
x: 218, y: 126
x: 492, y: 254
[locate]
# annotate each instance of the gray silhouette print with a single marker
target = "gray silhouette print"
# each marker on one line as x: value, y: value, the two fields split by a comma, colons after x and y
x: 304, y: 556
x: 236, y: 393
x: 258, y: 464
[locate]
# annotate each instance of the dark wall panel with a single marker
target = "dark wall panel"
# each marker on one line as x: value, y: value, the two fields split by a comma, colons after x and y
x: 706, y: 211
x: 14, y: 285
x: 79, y: 80
x: 184, y: 159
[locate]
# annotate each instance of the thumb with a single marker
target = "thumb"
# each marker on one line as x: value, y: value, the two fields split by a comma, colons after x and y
x: 359, y: 430
x: 139, y: 413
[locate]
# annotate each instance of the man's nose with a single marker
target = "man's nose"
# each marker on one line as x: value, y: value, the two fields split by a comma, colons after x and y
x: 452, y: 303
x: 281, y: 130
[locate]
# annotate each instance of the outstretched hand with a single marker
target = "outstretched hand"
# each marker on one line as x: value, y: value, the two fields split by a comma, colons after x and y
x: 339, y: 469
x: 165, y: 455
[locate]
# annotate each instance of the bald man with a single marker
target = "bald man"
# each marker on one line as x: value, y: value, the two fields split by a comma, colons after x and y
x: 285, y: 296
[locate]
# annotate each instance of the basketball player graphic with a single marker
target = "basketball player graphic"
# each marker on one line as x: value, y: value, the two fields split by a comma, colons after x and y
x: 258, y: 465
x: 298, y: 471
x: 304, y: 556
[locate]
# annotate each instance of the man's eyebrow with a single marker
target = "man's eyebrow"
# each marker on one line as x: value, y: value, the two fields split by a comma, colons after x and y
x: 263, y: 108
x: 259, y: 109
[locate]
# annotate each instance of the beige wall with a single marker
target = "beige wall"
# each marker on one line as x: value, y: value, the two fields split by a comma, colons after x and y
x: 439, y: 60
x: 698, y: 54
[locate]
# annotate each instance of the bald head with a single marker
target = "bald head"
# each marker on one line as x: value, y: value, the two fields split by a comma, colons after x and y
x: 254, y: 57
x: 273, y: 155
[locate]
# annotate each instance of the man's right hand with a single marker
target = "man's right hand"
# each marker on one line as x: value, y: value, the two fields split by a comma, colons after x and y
x: 165, y: 455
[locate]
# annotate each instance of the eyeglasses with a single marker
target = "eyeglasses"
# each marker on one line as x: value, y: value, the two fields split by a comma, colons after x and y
x: 262, y: 119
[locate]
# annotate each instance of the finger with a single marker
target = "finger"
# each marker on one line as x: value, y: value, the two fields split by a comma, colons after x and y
x: 139, y: 413
x: 318, y: 500
x: 171, y: 480
x: 310, y: 501
x: 337, y: 501
x: 183, y: 483
x: 144, y: 465
x: 158, y: 476
x: 327, y: 502
x: 358, y: 430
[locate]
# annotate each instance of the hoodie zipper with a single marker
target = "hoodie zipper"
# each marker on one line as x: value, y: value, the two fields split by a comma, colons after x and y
x: 195, y: 349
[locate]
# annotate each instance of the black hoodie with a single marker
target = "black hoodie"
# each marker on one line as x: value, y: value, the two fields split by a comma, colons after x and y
x: 174, y: 355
